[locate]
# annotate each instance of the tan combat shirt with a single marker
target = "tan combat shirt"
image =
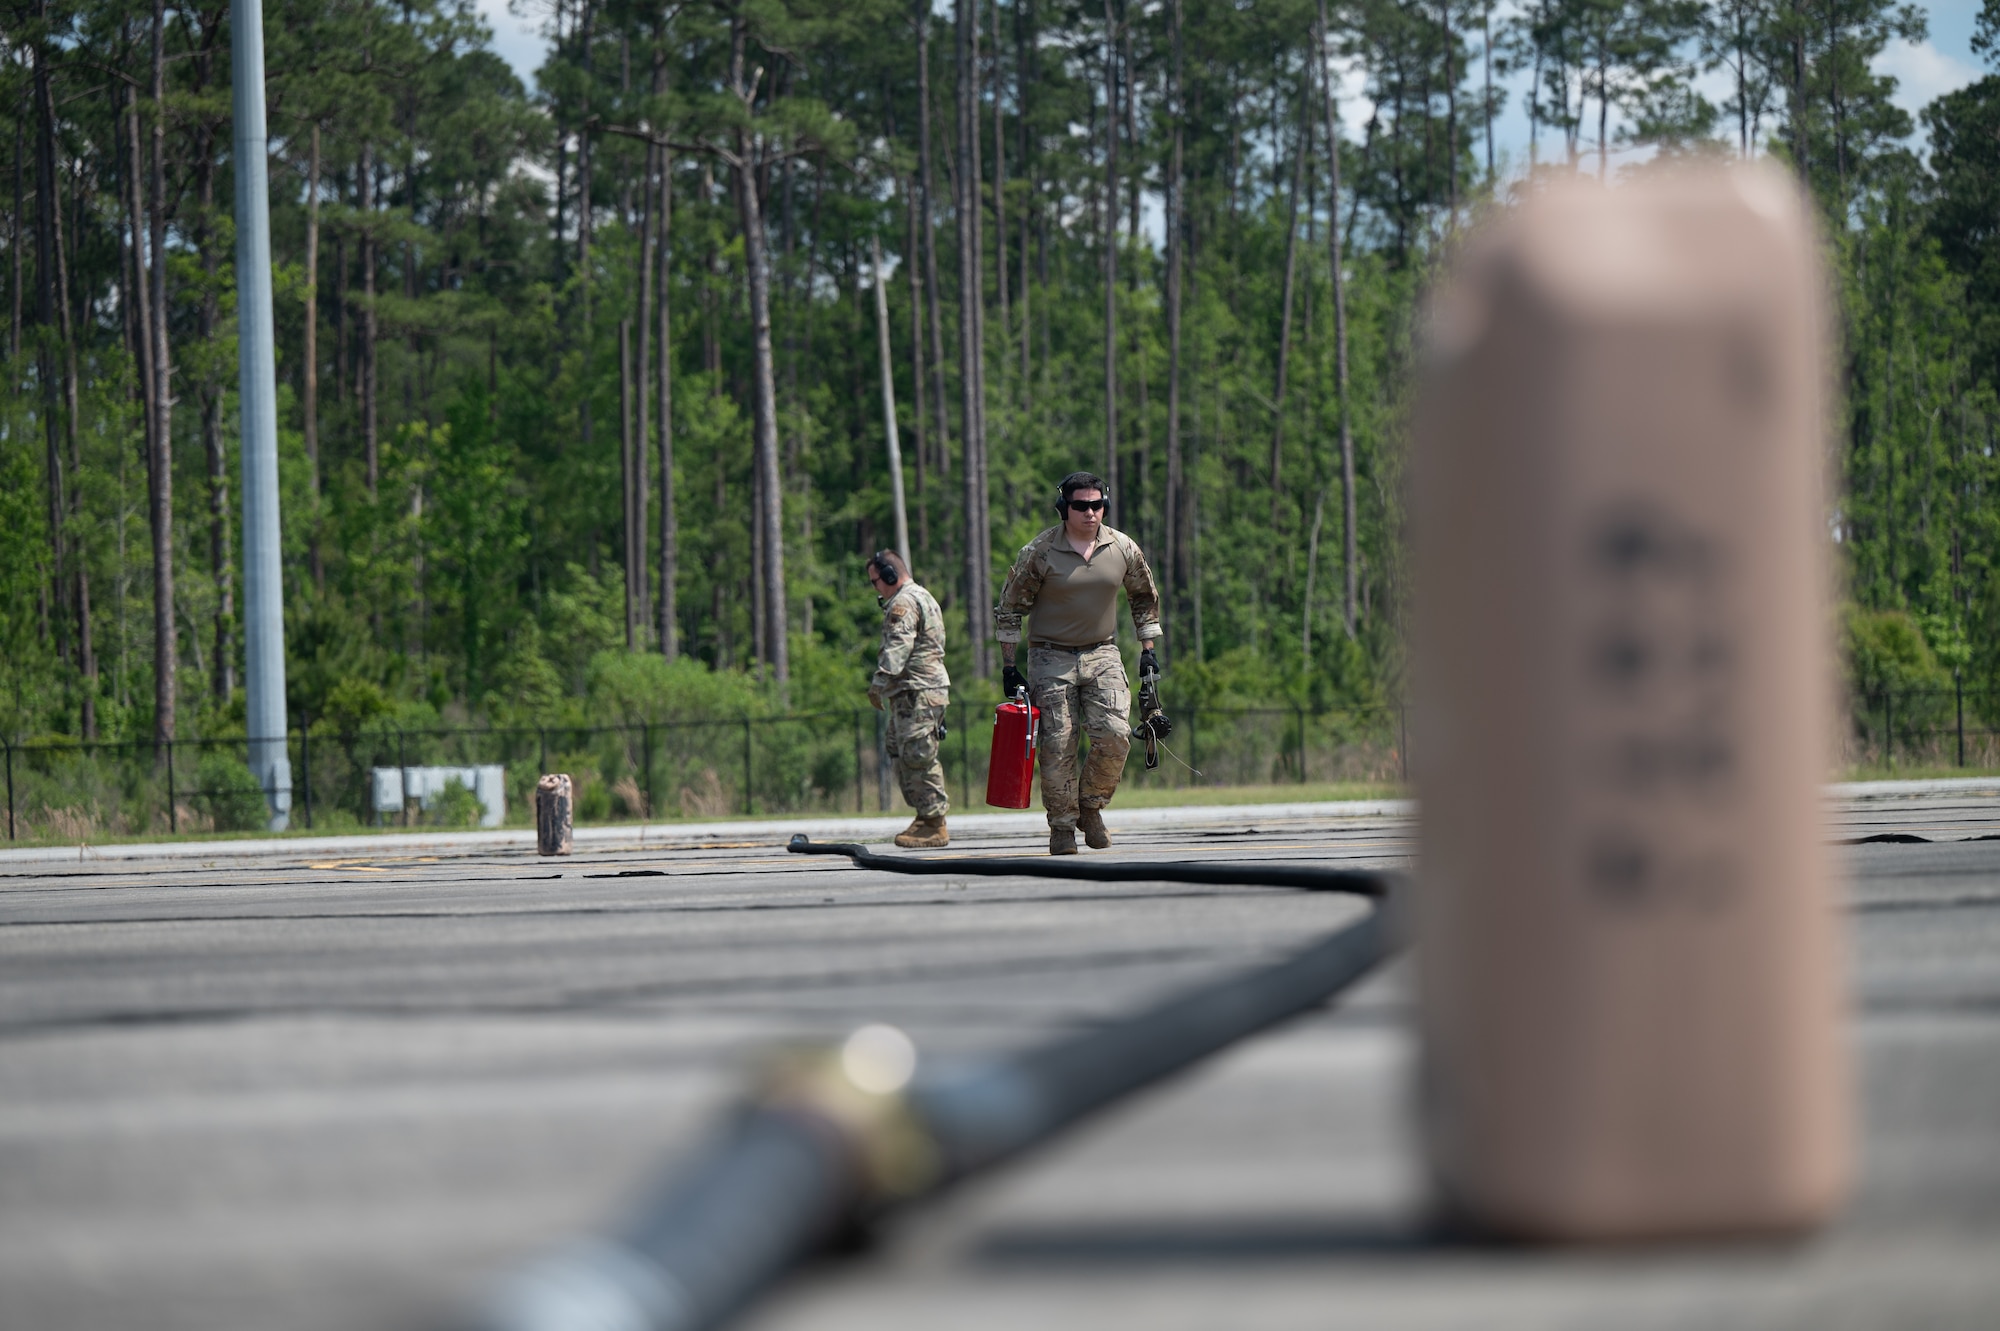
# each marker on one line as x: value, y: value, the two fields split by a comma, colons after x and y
x: 912, y: 659
x: 1074, y: 599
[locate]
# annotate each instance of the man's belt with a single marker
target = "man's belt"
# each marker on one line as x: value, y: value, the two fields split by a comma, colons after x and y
x: 1060, y: 647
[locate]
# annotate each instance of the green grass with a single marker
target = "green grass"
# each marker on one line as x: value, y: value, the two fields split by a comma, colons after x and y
x: 1919, y: 772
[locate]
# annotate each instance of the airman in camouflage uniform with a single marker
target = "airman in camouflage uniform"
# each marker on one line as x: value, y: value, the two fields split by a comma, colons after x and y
x: 1066, y: 580
x: 911, y: 685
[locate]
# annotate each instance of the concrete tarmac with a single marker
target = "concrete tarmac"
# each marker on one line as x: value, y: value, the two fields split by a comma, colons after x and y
x: 301, y: 1090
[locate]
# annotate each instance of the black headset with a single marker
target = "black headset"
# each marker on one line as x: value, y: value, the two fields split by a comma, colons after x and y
x: 1080, y: 480
x: 884, y: 568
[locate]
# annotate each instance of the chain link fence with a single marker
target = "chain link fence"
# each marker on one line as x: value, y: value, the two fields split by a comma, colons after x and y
x: 69, y: 791
x: 823, y: 762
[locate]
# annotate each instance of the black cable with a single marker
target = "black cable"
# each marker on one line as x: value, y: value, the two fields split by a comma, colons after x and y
x: 1358, y: 882
x: 816, y: 1151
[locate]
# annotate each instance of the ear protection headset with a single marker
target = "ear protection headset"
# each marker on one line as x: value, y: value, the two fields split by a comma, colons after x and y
x: 884, y: 568
x: 1080, y: 480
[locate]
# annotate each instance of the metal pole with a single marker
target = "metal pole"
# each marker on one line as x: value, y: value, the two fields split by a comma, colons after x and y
x: 749, y: 800
x: 1403, y: 739
x: 10, y: 792
x: 889, y: 403
x: 1889, y: 728
x: 263, y: 581
x: 646, y: 737
x: 306, y: 768
x: 1958, y: 692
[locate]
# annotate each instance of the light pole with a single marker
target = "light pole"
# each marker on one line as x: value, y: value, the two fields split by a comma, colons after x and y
x: 263, y: 585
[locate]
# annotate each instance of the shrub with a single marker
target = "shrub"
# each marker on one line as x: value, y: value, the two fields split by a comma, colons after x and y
x: 455, y: 806
x: 228, y: 792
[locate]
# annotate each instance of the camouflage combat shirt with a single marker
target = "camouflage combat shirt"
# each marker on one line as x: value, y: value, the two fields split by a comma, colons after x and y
x: 912, y: 658
x: 1075, y: 600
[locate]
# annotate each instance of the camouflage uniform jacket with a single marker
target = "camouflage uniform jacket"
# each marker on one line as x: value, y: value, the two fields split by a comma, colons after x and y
x: 912, y: 659
x: 1047, y: 564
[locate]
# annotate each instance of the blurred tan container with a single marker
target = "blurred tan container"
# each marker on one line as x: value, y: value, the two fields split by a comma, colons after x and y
x: 1628, y: 920
x: 554, y: 814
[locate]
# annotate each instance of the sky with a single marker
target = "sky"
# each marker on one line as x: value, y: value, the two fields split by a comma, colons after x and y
x: 1924, y: 71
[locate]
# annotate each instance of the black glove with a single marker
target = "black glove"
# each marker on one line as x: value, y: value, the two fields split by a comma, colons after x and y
x: 1012, y: 681
x: 1149, y: 666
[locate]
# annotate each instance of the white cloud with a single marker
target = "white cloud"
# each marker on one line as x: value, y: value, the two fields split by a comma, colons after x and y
x: 1922, y: 73
x: 517, y: 37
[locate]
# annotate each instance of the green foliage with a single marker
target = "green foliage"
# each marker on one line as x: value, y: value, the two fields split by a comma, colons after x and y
x: 454, y: 806
x: 466, y: 562
x: 1885, y: 650
x: 229, y: 793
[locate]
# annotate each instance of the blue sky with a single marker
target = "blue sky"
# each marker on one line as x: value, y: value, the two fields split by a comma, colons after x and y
x: 1924, y: 71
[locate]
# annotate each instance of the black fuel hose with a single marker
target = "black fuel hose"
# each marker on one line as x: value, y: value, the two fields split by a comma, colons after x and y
x: 1358, y: 882
x: 818, y: 1151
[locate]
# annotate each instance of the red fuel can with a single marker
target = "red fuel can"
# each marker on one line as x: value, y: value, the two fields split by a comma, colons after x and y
x: 1010, y: 771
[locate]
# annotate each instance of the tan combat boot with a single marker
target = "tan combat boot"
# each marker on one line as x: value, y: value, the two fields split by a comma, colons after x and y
x: 924, y: 834
x: 1062, y: 841
x: 1090, y: 822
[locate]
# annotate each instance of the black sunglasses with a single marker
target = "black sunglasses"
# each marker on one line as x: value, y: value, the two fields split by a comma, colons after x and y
x: 1085, y: 505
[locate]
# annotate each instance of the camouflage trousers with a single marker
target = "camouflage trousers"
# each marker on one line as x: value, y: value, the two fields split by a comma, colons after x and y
x: 912, y: 742
x: 1087, y: 691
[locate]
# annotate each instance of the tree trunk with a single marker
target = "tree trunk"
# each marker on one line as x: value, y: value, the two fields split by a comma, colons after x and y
x: 1175, y: 551
x: 902, y: 517
x: 669, y: 522
x: 51, y: 311
x: 978, y: 556
x: 222, y: 679
x: 165, y: 653
x: 1111, y: 255
x: 14, y: 244
x: 628, y: 485
x: 912, y: 269
x: 756, y: 259
x: 311, y: 368
x: 370, y: 437
x: 1285, y: 303
x: 1023, y: 46
x: 643, y: 365
x: 927, y: 206
x: 1339, y: 320
x: 999, y: 193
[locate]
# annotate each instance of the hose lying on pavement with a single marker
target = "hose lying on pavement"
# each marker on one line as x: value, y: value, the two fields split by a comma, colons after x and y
x: 843, y: 1135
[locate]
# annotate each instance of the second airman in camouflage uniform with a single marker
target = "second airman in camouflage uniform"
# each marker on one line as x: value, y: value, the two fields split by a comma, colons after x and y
x: 910, y: 684
x: 1066, y: 580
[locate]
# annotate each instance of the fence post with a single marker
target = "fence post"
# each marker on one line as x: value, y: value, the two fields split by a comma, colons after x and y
x: 1889, y: 728
x: 749, y: 800
x: 173, y: 806
x: 646, y: 738
x: 1403, y: 740
x: 1958, y: 692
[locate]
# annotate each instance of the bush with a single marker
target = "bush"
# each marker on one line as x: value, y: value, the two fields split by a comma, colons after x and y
x: 1885, y: 651
x: 455, y: 806
x: 230, y: 794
